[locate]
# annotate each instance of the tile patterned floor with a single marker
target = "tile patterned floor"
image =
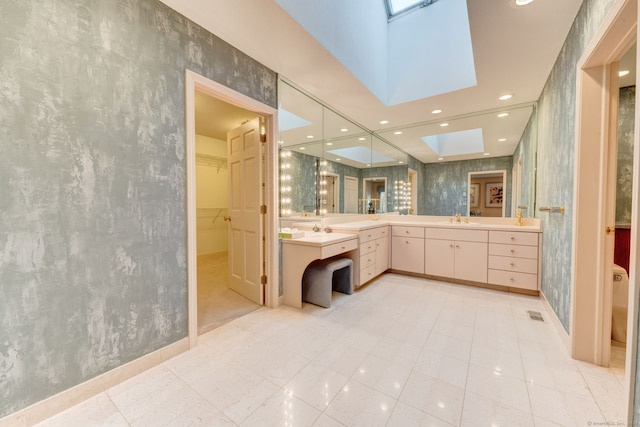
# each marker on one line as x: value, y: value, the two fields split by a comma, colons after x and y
x: 402, y: 351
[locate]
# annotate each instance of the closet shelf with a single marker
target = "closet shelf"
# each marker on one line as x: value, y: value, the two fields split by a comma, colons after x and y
x: 213, y: 161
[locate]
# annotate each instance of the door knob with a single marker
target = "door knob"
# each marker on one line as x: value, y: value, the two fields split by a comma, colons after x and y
x: 227, y: 218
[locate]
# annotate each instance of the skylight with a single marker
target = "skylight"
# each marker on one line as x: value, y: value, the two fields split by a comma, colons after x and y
x: 397, y: 7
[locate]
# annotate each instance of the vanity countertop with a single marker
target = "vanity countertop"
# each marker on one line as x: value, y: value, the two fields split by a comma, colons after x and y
x: 367, y: 224
x: 319, y: 238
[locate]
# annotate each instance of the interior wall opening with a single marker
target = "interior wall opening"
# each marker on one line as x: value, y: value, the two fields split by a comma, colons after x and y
x: 218, y: 303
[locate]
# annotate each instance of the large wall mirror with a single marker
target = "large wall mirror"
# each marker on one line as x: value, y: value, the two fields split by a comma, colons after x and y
x: 331, y: 165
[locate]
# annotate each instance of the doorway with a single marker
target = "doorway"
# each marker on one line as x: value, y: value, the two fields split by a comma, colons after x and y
x: 594, y: 203
x: 413, y: 192
x: 330, y: 199
x: 222, y: 296
x: 486, y: 193
x: 214, y: 268
x: 350, y: 195
x: 374, y: 191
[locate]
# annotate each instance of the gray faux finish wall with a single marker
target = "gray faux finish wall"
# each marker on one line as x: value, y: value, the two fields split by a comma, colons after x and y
x: 92, y: 161
x: 527, y: 152
x: 626, y: 118
x: 445, y: 183
x: 556, y: 158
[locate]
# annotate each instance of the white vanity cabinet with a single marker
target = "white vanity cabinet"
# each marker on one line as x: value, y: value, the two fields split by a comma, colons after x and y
x: 407, y: 248
x: 374, y: 253
x: 514, y: 259
x: 457, y: 254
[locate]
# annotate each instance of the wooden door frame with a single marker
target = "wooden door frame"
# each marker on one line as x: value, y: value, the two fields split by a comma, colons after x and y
x: 196, y: 82
x: 596, y: 125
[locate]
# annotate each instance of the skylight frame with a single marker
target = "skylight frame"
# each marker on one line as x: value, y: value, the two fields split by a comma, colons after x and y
x: 416, y: 4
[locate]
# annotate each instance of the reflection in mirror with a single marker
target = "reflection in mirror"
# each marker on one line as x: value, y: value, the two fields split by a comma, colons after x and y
x: 326, y: 161
x: 325, y: 157
x: 486, y: 194
x: 374, y: 191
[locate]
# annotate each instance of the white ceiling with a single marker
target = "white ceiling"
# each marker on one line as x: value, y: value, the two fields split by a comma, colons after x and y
x: 514, y: 51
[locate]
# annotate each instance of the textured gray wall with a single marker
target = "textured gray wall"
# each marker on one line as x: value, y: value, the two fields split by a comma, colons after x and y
x: 527, y: 148
x: 556, y: 158
x: 92, y: 224
x: 626, y: 117
x: 445, y: 183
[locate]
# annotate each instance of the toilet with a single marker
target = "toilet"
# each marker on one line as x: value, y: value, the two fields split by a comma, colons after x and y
x: 620, y: 304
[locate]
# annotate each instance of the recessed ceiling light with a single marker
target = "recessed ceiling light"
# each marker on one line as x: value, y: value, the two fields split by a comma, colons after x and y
x: 502, y: 139
x: 344, y: 130
x: 280, y: 142
x: 444, y: 124
x: 440, y: 158
x: 337, y: 160
x: 303, y: 148
x: 523, y: 2
x: 623, y: 73
x: 361, y: 139
x: 309, y: 136
x: 503, y: 115
x: 486, y: 154
x: 329, y: 143
x: 368, y: 164
x: 505, y: 96
x: 436, y: 111
x: 398, y: 132
x: 401, y: 162
x: 384, y: 122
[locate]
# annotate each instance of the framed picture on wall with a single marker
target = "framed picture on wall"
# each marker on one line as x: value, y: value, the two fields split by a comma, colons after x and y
x: 494, y: 195
x: 474, y: 195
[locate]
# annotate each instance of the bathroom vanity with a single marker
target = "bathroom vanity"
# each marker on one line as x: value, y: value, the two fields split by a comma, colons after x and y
x: 497, y: 253
x: 297, y: 254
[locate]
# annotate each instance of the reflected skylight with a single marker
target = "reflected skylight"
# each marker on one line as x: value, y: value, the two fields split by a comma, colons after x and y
x: 396, y: 7
x: 456, y: 143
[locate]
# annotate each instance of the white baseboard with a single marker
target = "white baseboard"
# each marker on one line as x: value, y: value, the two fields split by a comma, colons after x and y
x: 562, y: 333
x: 53, y: 405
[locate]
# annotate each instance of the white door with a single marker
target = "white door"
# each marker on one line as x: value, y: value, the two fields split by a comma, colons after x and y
x: 350, y: 194
x: 245, y: 220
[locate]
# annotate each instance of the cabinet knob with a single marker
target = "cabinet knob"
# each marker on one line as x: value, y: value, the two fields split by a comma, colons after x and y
x: 406, y: 231
x: 343, y: 247
x: 512, y: 251
x: 513, y: 265
x: 457, y: 246
x: 513, y: 238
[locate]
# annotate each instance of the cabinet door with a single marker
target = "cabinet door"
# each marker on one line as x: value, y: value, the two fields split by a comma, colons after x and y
x: 407, y: 254
x: 439, y: 256
x: 471, y: 261
x: 382, y: 255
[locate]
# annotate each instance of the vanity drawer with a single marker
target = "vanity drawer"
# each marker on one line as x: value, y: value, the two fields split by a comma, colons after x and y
x: 402, y: 231
x: 338, y: 248
x: 367, y: 247
x: 457, y: 235
x: 513, y: 238
x: 367, y: 274
x: 373, y: 234
x: 514, y: 279
x: 522, y: 265
x: 513, y: 250
x: 367, y: 260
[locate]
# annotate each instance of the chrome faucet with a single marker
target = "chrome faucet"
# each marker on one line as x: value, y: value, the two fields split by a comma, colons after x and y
x: 315, y: 228
x: 458, y: 215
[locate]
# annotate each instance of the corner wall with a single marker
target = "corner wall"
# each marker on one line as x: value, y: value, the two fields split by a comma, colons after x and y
x: 556, y: 158
x: 92, y: 157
